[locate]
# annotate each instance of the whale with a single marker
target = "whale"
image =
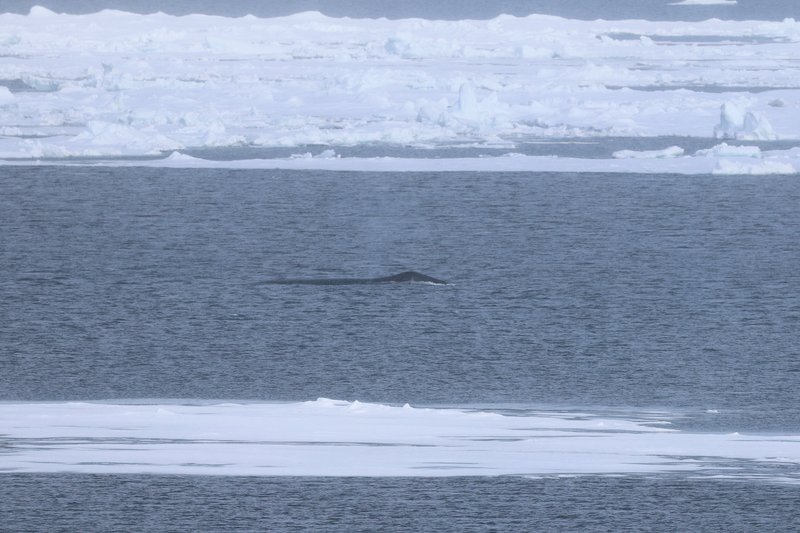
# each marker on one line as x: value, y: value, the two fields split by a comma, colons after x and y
x: 408, y: 276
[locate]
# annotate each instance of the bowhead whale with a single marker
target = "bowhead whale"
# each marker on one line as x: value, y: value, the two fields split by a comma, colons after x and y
x: 403, y: 277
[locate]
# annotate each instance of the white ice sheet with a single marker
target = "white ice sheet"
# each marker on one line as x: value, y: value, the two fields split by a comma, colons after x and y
x: 339, y: 438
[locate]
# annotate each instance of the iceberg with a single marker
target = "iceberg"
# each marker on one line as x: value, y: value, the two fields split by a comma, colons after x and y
x: 736, y: 123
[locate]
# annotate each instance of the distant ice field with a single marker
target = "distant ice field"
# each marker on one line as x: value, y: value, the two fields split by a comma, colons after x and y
x: 118, y: 85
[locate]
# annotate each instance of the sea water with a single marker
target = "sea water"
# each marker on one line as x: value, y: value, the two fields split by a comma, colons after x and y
x: 62, y: 503
x: 580, y: 289
x: 609, y: 293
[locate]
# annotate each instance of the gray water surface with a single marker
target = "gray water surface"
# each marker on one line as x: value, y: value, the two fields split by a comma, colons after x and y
x: 56, y: 503
x: 565, y: 289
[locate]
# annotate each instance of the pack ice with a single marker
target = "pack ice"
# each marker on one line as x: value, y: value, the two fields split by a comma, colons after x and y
x: 112, y: 84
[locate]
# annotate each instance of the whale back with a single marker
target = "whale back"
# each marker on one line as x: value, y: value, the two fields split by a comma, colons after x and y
x: 403, y: 277
x: 410, y: 276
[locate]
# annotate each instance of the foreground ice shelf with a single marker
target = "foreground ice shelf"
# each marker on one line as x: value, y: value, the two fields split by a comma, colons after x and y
x: 338, y: 438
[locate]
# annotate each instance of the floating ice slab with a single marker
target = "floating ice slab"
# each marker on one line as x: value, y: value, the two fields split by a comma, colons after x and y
x: 672, y: 151
x: 705, y: 3
x: 758, y: 168
x: 729, y: 160
x: 339, y: 438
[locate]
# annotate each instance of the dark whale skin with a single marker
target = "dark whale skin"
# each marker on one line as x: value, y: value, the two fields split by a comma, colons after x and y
x: 404, y: 277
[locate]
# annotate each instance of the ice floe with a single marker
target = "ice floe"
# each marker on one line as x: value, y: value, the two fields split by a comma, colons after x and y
x: 672, y: 151
x: 705, y: 3
x: 340, y: 438
x: 725, y: 166
x: 722, y: 159
x: 726, y: 150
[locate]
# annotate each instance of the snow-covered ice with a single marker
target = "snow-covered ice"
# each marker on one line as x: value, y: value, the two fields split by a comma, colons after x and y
x: 721, y: 159
x: 704, y: 3
x: 114, y: 84
x: 339, y: 438
x: 672, y: 151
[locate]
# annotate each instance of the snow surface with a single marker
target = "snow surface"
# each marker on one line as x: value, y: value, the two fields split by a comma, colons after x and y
x: 705, y: 3
x: 114, y: 84
x: 339, y: 438
x: 672, y: 151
